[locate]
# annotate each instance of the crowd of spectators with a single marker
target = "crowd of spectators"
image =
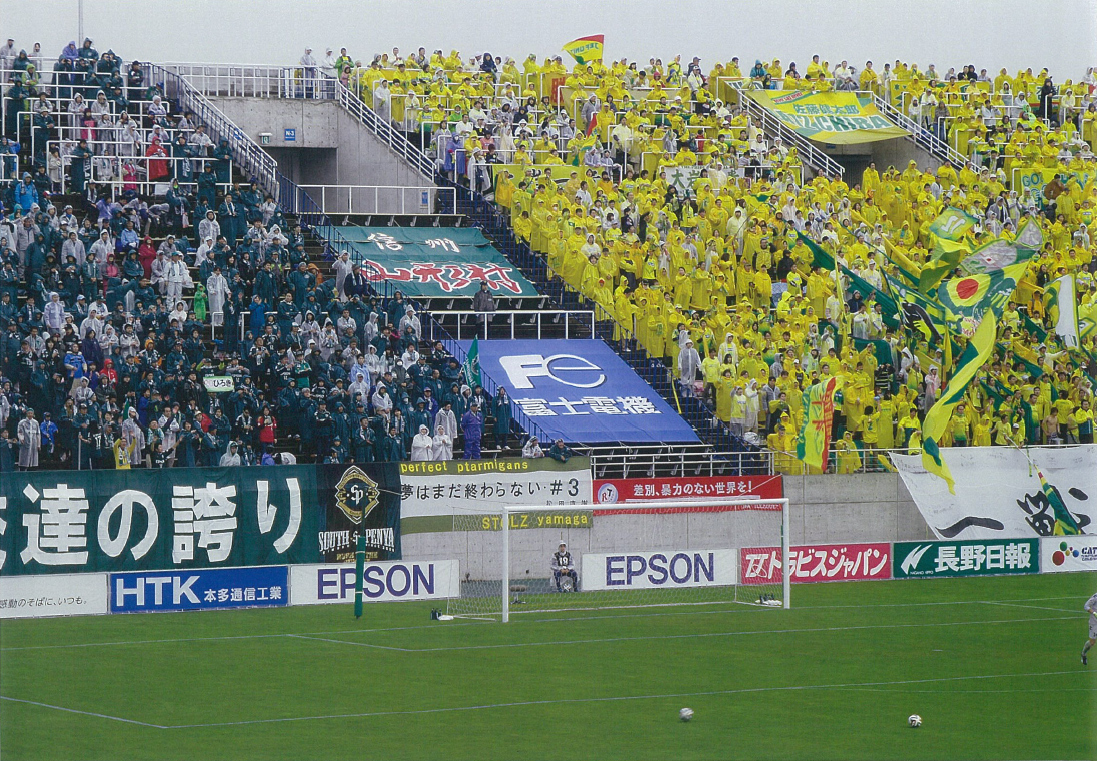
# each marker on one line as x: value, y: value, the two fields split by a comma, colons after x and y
x: 114, y: 314
x: 650, y: 192
x: 645, y: 187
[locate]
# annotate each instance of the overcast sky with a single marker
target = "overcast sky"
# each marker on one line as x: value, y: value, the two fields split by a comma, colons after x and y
x: 1058, y: 34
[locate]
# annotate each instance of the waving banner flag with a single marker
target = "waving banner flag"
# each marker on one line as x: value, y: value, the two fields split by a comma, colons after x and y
x: 1061, y: 306
x: 840, y: 118
x: 1087, y: 320
x: 948, y: 254
x: 969, y: 298
x: 586, y: 49
x: 472, y: 364
x: 1003, y: 493
x: 952, y: 224
x: 994, y: 256
x: 813, y: 446
x: 940, y: 415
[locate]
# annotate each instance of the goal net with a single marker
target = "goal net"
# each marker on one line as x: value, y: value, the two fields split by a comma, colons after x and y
x: 537, y: 558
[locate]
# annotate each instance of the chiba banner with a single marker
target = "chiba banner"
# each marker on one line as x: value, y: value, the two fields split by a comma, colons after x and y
x: 829, y: 117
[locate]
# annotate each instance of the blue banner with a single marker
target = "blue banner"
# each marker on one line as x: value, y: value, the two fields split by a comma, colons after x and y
x: 580, y: 391
x: 204, y: 589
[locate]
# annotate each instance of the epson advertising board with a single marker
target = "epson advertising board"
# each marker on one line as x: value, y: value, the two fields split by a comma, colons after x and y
x: 661, y: 569
x: 381, y: 582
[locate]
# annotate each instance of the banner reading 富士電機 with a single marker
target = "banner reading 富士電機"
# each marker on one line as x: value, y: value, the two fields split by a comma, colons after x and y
x: 829, y: 117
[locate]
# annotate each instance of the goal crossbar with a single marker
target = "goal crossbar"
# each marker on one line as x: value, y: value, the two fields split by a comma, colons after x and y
x: 654, y: 507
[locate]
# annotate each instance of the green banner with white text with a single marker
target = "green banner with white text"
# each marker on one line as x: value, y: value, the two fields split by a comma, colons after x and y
x: 989, y: 557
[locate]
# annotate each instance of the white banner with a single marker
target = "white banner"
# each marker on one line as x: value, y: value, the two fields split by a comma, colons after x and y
x: 382, y: 582
x: 1000, y: 494
x: 486, y: 486
x: 667, y: 569
x: 76, y: 594
x: 219, y: 384
x: 1068, y: 553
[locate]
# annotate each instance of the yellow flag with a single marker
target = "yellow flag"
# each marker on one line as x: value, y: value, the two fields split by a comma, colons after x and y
x: 586, y: 49
x: 938, y: 418
x: 813, y: 446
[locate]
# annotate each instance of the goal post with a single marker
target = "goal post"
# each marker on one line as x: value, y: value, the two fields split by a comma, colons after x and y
x: 633, y: 554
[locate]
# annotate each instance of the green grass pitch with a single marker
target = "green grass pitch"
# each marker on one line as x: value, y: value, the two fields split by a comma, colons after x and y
x: 992, y: 666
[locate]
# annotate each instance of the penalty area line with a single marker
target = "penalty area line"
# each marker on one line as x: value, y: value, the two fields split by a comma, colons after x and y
x: 84, y: 713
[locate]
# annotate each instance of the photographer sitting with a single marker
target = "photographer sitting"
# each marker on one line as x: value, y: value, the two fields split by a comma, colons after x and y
x: 562, y: 569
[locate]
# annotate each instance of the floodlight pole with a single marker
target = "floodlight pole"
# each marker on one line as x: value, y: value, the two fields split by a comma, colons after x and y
x: 80, y: 22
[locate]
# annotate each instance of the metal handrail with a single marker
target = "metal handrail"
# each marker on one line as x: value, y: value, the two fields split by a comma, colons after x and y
x: 809, y: 153
x: 918, y: 134
x: 653, y: 461
x: 388, y: 134
x: 537, y: 318
x: 247, y: 154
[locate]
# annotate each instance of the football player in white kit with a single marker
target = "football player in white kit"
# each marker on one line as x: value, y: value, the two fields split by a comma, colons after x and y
x: 1091, y: 606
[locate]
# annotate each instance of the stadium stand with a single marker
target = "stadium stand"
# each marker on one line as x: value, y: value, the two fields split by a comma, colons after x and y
x: 584, y: 162
x: 727, y: 258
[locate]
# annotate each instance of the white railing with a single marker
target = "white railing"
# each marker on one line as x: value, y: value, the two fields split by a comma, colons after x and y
x: 673, y: 460
x: 247, y: 155
x: 376, y: 199
x: 250, y: 80
x: 544, y: 322
x: 919, y: 135
x: 771, y: 125
x: 122, y: 173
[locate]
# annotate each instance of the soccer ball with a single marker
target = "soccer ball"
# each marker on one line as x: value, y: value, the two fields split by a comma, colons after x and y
x: 915, y: 721
x: 685, y: 714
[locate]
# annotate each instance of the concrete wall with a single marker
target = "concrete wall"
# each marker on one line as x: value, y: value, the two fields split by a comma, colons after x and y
x: 897, y: 152
x: 824, y: 509
x: 360, y: 158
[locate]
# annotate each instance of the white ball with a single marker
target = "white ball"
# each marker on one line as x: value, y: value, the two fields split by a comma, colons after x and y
x: 685, y: 714
x: 915, y: 720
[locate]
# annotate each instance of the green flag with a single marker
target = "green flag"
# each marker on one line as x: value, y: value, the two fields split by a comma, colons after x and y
x: 472, y: 364
x: 939, y: 416
x: 1065, y: 524
x: 995, y: 255
x: 952, y: 224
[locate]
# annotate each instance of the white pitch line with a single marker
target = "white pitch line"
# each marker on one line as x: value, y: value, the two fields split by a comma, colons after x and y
x: 84, y: 713
x: 617, y: 698
x: 1034, y: 607
x: 359, y: 644
x: 712, y: 634
x: 531, y: 620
